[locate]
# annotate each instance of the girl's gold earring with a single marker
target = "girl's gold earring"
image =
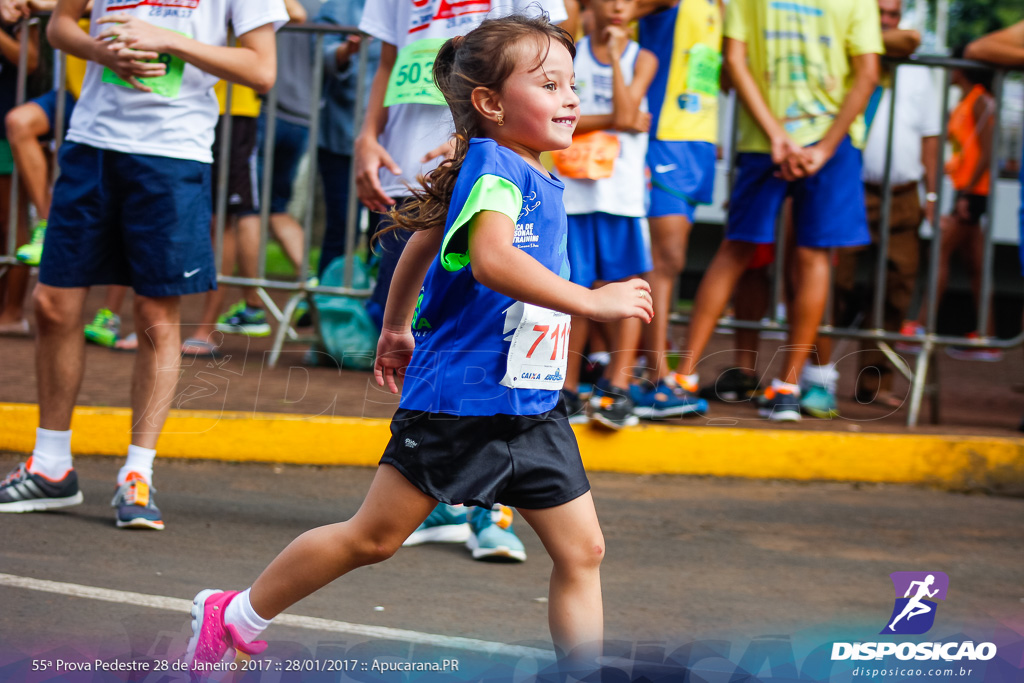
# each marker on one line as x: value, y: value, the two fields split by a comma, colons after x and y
x: 501, y: 119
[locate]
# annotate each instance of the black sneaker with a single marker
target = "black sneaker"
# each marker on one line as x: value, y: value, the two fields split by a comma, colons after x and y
x: 23, y: 491
x: 615, y: 412
x: 732, y: 385
x: 575, y: 408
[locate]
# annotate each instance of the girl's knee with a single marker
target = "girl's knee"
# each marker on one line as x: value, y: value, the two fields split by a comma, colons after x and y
x: 373, y: 551
x: 585, y: 555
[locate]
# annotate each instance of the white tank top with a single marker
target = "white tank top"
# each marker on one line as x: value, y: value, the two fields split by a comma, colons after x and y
x: 623, y: 194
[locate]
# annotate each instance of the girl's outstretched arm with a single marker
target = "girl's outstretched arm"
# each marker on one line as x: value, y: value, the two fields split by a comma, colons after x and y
x: 499, y: 265
x: 395, y: 346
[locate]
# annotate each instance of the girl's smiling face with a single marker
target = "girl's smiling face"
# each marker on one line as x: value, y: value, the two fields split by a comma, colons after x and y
x: 538, y: 105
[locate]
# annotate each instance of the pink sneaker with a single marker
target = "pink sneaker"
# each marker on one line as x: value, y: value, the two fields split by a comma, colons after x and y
x: 212, y: 640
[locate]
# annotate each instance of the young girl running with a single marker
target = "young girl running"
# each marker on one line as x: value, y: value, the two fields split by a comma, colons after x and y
x: 490, y: 239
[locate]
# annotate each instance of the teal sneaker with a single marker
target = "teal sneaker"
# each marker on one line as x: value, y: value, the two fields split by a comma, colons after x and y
x: 817, y: 401
x: 493, y: 538
x: 30, y: 254
x: 104, y: 329
x: 242, y: 319
x: 446, y: 524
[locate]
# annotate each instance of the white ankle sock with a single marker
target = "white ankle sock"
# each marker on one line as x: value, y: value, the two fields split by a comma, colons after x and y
x: 139, y: 460
x: 779, y: 385
x: 819, y: 376
x: 240, y: 614
x: 51, y: 456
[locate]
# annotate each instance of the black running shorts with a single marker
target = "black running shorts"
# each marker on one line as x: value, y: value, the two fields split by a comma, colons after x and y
x: 525, y: 461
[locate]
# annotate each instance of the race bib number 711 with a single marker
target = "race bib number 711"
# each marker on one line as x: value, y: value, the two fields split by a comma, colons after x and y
x: 540, y: 347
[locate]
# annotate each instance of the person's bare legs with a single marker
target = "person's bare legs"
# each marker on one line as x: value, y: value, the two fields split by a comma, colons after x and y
x: 290, y: 234
x: 806, y: 309
x: 113, y: 300
x: 973, y: 256
x: 392, y: 510
x: 750, y: 302
x: 713, y: 294
x: 14, y: 283
x: 25, y: 125
x: 60, y: 352
x: 155, y: 375
x: 577, y: 345
x: 670, y: 236
x: 626, y: 334
x: 249, y: 255
x: 953, y: 235
x: 572, y: 536
x: 213, y: 300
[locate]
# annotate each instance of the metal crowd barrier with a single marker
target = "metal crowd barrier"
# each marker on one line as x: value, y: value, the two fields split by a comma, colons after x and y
x: 930, y: 341
x: 301, y: 288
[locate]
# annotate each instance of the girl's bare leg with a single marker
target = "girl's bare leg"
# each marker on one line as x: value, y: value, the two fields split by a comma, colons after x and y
x: 392, y: 510
x: 572, y: 536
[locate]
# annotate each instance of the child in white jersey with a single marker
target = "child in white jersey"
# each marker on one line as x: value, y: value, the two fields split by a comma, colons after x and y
x: 489, y: 252
x: 604, y: 193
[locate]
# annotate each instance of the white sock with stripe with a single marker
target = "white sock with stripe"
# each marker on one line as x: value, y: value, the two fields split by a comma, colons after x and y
x: 51, y: 456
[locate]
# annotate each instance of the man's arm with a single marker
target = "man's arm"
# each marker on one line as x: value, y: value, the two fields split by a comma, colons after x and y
x: 296, y: 12
x: 865, y: 78
x: 900, y: 42
x: 10, y: 47
x: 1005, y: 47
x: 370, y: 155
x: 65, y: 34
x: 735, y: 54
x: 253, y: 63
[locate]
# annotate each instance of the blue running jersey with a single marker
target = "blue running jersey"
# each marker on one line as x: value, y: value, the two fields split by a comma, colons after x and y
x: 479, y: 352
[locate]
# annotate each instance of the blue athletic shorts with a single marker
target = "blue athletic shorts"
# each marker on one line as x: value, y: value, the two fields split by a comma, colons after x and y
x: 129, y: 219
x: 48, y: 103
x: 682, y: 176
x: 828, y: 207
x: 607, y: 247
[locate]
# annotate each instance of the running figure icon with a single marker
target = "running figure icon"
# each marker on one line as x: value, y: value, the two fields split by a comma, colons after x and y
x: 915, y: 607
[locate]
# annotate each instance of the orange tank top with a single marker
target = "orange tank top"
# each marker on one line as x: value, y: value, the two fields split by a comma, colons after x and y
x: 967, y: 151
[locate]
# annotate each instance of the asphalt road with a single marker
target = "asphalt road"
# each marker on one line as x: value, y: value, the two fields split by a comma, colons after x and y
x: 687, y: 559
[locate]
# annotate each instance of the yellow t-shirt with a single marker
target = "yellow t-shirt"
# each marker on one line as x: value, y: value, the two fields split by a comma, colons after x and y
x: 74, y: 72
x: 244, y: 101
x: 683, y: 97
x: 799, y: 54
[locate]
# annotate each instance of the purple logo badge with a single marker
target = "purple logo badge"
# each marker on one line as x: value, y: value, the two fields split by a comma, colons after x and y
x: 916, y: 592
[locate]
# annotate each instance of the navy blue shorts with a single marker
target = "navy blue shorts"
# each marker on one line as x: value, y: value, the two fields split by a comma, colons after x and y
x: 48, y: 103
x: 607, y: 247
x: 682, y: 176
x: 129, y: 219
x: 828, y: 207
x: 526, y: 461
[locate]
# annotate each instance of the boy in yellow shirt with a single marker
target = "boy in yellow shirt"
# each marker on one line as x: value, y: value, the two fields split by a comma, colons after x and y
x: 804, y: 71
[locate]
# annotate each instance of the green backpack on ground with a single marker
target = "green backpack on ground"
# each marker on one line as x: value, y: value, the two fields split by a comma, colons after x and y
x: 347, y: 331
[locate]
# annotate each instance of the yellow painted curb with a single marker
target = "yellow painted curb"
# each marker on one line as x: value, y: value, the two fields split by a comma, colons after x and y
x: 952, y: 462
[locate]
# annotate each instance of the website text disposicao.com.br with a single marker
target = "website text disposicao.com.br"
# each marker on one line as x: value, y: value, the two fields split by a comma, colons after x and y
x: 904, y: 673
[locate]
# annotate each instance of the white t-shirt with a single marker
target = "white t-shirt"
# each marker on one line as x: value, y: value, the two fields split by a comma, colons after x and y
x: 414, y: 129
x: 623, y: 193
x: 180, y: 122
x: 917, y: 116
